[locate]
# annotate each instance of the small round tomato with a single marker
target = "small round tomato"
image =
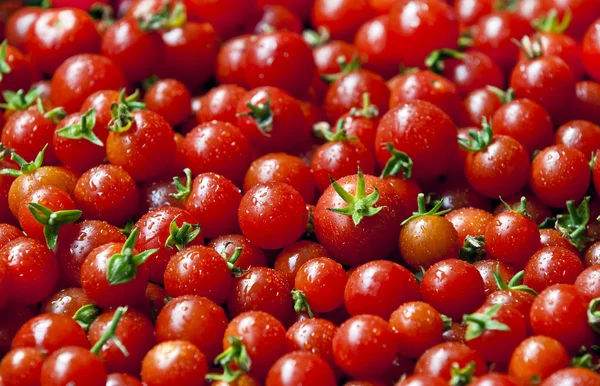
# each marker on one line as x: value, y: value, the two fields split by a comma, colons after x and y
x: 418, y: 27
x: 560, y: 313
x: 292, y: 257
x: 220, y: 103
x: 20, y: 73
x: 250, y: 255
x: 376, y: 47
x: 512, y: 238
x: 121, y: 379
x: 313, y: 335
x: 479, y: 104
x: 552, y: 265
x: 581, y: 135
x: 321, y: 284
x: 488, y: 268
x: 431, y: 150
x: 214, y: 200
x: 59, y: 34
x: 8, y: 233
x: 469, y: 222
x: 74, y: 365
x: 77, y: 242
x: 341, y: 18
x: 559, y: 174
x: 468, y: 12
x: 588, y: 99
x: 582, y: 12
x: 453, y: 287
x: 357, y: 219
x: 18, y: 25
x: 218, y: 147
x: 230, y: 61
x: 261, y: 289
x: 32, y: 270
x: 273, y: 215
x: 554, y: 238
x: 439, y: 360
x: 558, y: 44
x: 418, y: 326
x: 21, y: 367
x: 574, y: 376
x: 174, y: 362
x: 364, y: 346
x: 66, y: 302
x: 587, y: 282
x: 270, y: 58
x: 198, y: 270
x: 536, y: 358
x: 262, y: 335
x: 170, y: 99
x: 50, y: 332
x: 135, y: 333
x: 277, y: 17
x: 378, y: 288
x: 80, y: 76
x: 414, y: 380
x: 300, y: 367
x: 156, y: 194
x: 28, y: 132
x: 106, y: 192
x: 536, y: 210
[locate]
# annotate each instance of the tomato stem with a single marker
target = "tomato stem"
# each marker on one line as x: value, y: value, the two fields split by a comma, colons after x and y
x: 4, y: 66
x: 367, y: 110
x: 477, y: 323
x: 551, y: 24
x: 422, y: 209
x: 52, y: 221
x: 399, y: 162
x: 301, y: 303
x: 84, y: 129
x: 262, y: 115
x: 462, y: 376
x: 19, y: 100
x: 435, y: 61
x: 593, y: 315
x: 26, y: 167
x: 574, y: 224
x: 504, y: 96
x: 479, y: 139
x: 513, y: 284
x: 110, y: 334
x: 323, y: 130
x: 183, y: 191
x: 236, y: 353
x: 316, y: 38
x: 473, y: 249
x: 122, y: 267
x: 86, y: 315
x: 345, y: 68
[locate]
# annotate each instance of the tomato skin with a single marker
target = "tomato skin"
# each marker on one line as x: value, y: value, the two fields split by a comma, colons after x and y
x: 107, y: 193
x: 80, y: 76
x: 347, y: 92
x: 300, y: 367
x: 271, y: 57
x: 494, y: 379
x: 313, y: 335
x: 468, y: 12
x: 374, y: 238
x: 587, y: 283
x: 591, y: 50
x: 453, y: 287
x: 292, y: 257
x: 230, y: 61
x: 251, y: 255
x: 19, y: 24
x: 554, y: 238
x: 584, y: 12
x: 155, y: 230
x: 95, y: 283
x: 272, y: 215
x: 512, y: 238
x: 431, y: 150
x: 21, y: 367
x: 261, y: 289
x: 373, y: 42
x: 418, y: 380
x: 218, y: 147
x: 438, y: 360
x: 499, y: 170
x: 364, y: 346
x: 121, y: 379
x: 264, y: 338
x: 552, y: 265
x: 574, y: 376
x: 171, y: 99
x: 559, y: 174
x: 581, y: 135
x: 487, y: 268
x: 469, y: 222
x: 427, y: 240
x: 220, y: 104
x: 588, y: 99
x: 548, y: 81
x: 418, y: 326
x: 525, y: 121
x: 378, y: 288
x: 4, y: 285
x: 32, y: 270
x: 476, y: 70
x: 79, y: 154
x: 414, y: 40
x: 12, y: 318
x: 560, y: 313
x: 73, y: 365
x: 198, y: 270
x: 564, y: 47
x: 50, y: 332
x: 279, y: 18
x: 9, y: 233
x: 322, y: 281
x: 174, y: 362
x: 66, y: 302
x: 481, y: 103
x: 27, y: 132
x: 22, y: 73
x: 58, y: 34
x: 342, y: 18
x: 538, y: 356
x: 219, y: 15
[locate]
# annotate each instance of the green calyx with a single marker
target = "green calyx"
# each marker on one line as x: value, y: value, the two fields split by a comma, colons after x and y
x: 477, y: 324
x: 183, y: 191
x: 479, y: 139
x: 504, y: 96
x: 513, y: 284
x: 531, y: 49
x: 593, y: 315
x: 462, y: 376
x: 368, y: 110
x: 419, y: 275
x: 149, y: 82
x: 585, y: 359
x: 122, y: 267
x: 236, y: 353
x: 323, y: 130
x: 102, y: 13
x: 360, y: 205
x: 5, y: 151
x: 111, y: 334
x: 52, y: 221
x: 55, y: 115
x: 262, y: 115
x: 345, y: 68
x: 171, y: 16
x: 182, y: 235
x: 550, y: 22
x: 422, y: 211
x: 126, y: 230
x: 447, y: 321
x: 4, y: 66
x: 548, y: 223
x: 26, y: 167
x: 574, y: 224
x: 316, y: 38
x: 435, y: 61
x: 473, y: 249
x: 86, y: 315
x: 301, y: 303
x: 505, y: 5
x: 122, y: 119
x: 400, y: 162
x: 465, y: 40
x: 520, y: 208
x: 19, y: 100
x: 84, y: 129
x: 237, y: 252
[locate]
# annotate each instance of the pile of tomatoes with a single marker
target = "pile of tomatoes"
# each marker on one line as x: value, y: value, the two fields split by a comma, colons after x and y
x: 300, y: 193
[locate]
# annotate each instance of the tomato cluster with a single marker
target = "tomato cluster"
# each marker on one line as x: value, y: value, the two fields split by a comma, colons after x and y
x: 299, y: 192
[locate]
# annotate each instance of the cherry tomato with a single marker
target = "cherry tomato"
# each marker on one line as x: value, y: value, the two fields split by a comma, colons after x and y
x: 468, y: 12
x: 230, y: 61
x: 374, y: 44
x: 170, y: 99
x: 341, y: 18
x: 581, y: 135
x: 121, y: 379
x: 220, y: 104
x: 74, y: 365
x: 292, y: 257
x: 488, y: 267
x: 313, y: 335
x: 588, y: 98
x: 469, y: 222
x: 250, y: 256
x: 576, y: 376
x: 300, y: 367
x: 174, y: 362
x: 21, y: 73
x: 19, y: 24
x: 27, y: 132
x: 418, y: 326
x: 50, y: 332
x: 479, y: 104
x: 21, y: 367
x: 278, y: 18
x: 219, y: 15
x: 552, y: 265
x: 439, y: 360
x: 583, y: 13
x: 66, y: 302
x: 536, y: 358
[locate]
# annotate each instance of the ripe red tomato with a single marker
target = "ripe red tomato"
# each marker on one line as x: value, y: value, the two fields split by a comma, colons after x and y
x: 439, y: 360
x: 73, y: 364
x: 321, y: 281
x: 50, y: 332
x: 19, y: 24
x: 230, y: 61
x: 341, y: 18
x: 21, y: 366
x: 552, y: 265
x: 300, y: 367
x: 373, y: 42
x: 418, y: 326
x: 220, y: 104
x: 174, y: 362
x: 171, y: 99
x: 536, y: 358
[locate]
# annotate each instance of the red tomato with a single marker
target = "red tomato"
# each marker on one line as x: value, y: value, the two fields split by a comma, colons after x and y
x: 342, y: 18
x: 174, y: 362
x: 418, y: 326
